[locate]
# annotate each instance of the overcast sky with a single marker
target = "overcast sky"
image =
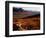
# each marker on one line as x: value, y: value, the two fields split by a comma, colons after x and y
x: 32, y: 9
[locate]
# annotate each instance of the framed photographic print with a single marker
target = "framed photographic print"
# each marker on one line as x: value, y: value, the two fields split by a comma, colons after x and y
x: 24, y: 18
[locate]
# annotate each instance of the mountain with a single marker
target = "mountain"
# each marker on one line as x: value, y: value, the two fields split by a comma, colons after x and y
x: 21, y: 13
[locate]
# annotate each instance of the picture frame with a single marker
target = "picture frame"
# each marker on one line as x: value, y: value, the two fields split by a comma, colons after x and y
x: 9, y: 10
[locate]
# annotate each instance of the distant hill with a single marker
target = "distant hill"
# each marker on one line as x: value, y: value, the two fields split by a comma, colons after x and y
x: 17, y: 9
x: 21, y: 13
x: 38, y: 15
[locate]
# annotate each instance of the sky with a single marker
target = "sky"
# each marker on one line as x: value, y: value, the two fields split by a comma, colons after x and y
x: 32, y: 9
